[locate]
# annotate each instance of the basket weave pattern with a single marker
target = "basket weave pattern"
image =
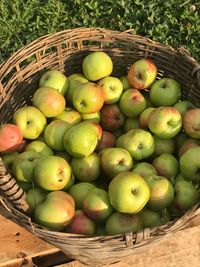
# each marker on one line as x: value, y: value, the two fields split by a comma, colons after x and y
x: 65, y: 50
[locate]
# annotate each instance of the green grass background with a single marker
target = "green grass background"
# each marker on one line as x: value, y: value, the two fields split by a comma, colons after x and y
x: 173, y: 22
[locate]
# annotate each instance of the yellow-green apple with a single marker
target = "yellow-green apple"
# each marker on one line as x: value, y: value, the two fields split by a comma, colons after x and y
x: 97, y: 65
x: 81, y: 140
x: 116, y: 160
x: 70, y: 116
x: 52, y: 173
x: 128, y: 192
x: 138, y: 142
x: 96, y: 204
x: 144, y: 169
x: 55, y: 79
x: 107, y: 140
x: 142, y: 73
x: 72, y: 182
x: 78, y: 191
x: 49, y: 101
x: 112, y: 88
x: 112, y: 117
x: 161, y: 192
x: 143, y: 118
x: 35, y: 196
x: 190, y: 164
x: 96, y: 128
x: 86, y: 169
x: 186, y: 195
x: 151, y: 218
x: 11, y: 138
x: 95, y: 117
x: 121, y: 223
x: 125, y: 83
x: 56, y: 212
x: 88, y: 98
x: 131, y: 123
x: 163, y: 145
x: 189, y: 143
x: 54, y: 133
x: 74, y: 80
x: 8, y: 160
x: 132, y: 103
x: 191, y: 123
x: 40, y: 147
x: 183, y: 106
x: 30, y: 120
x: 165, y: 122
x: 166, y: 165
x: 165, y: 92
x: 23, y: 165
x: 81, y: 224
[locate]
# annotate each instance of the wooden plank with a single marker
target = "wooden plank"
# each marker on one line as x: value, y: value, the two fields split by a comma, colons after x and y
x: 18, y: 247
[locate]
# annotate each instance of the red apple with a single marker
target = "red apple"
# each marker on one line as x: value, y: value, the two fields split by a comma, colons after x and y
x: 11, y: 138
x: 107, y: 140
x: 191, y: 123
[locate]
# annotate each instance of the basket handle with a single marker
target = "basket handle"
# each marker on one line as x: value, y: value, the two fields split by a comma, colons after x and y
x: 11, y: 190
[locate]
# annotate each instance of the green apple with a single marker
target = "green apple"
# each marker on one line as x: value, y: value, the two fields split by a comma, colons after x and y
x: 161, y: 192
x: 100, y: 230
x: 165, y: 122
x: 40, y: 147
x: 30, y: 120
x: 97, y: 65
x: 130, y: 124
x: 165, y: 92
x: 166, y: 165
x: 23, y: 165
x: 125, y: 83
x: 80, y: 140
x: 116, y: 160
x: 54, y: 133
x: 96, y: 204
x: 138, y: 142
x: 74, y: 80
x: 163, y: 145
x: 49, y: 101
x: 142, y: 73
x: 95, y: 117
x: 78, y: 191
x: 150, y: 218
x: 191, y: 123
x: 190, y: 164
x: 186, y: 195
x: 55, y: 79
x: 81, y: 224
x: 56, y: 212
x: 107, y: 140
x: 143, y: 118
x: 128, y: 192
x: 25, y: 185
x: 70, y: 116
x: 112, y: 88
x: 8, y: 160
x: 86, y: 169
x: 189, y: 143
x: 179, y: 177
x: 35, y: 196
x: 88, y: 98
x: 11, y: 138
x: 52, y: 173
x: 121, y: 223
x: 183, y: 106
x: 144, y: 169
x: 132, y: 103
x: 112, y: 117
x: 180, y: 139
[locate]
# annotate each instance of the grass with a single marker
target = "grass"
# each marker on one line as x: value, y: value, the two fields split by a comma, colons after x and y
x: 173, y: 22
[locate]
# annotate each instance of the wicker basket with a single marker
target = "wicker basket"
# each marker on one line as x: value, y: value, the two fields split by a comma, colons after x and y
x: 65, y: 51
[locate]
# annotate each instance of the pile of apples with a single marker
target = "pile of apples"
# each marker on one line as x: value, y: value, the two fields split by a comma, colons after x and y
x: 104, y: 155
